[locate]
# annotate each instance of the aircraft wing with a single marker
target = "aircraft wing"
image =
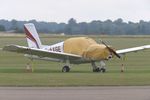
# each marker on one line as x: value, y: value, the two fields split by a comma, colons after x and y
x: 41, y: 53
x: 134, y: 49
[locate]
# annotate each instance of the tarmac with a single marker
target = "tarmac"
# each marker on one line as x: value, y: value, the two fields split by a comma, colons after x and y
x: 76, y: 93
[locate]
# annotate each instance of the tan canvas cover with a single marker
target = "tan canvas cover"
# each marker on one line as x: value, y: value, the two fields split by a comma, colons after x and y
x: 96, y: 52
x: 86, y: 47
x: 77, y: 45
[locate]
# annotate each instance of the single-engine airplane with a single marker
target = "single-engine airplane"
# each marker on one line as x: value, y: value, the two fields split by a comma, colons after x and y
x: 75, y: 50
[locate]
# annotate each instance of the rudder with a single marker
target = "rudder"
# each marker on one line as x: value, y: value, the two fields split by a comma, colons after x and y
x: 32, y: 36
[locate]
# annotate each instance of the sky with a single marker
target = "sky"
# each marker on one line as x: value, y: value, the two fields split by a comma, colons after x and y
x: 81, y: 10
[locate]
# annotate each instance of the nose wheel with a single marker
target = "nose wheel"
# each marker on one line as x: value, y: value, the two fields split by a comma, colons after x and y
x: 99, y: 70
x: 66, y: 68
x: 103, y: 70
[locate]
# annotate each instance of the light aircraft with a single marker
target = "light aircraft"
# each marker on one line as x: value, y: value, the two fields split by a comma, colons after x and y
x: 75, y: 50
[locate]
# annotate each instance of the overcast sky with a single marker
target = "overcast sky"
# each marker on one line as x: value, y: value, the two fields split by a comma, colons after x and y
x: 82, y: 10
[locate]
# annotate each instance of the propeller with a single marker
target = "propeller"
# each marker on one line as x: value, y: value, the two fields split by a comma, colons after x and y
x: 110, y: 49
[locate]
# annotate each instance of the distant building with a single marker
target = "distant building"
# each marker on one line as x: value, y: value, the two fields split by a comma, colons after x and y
x: 62, y: 34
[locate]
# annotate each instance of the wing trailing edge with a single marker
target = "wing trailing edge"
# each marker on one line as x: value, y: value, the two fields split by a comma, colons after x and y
x: 40, y: 52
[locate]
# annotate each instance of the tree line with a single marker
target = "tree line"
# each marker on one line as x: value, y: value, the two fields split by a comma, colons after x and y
x: 108, y: 27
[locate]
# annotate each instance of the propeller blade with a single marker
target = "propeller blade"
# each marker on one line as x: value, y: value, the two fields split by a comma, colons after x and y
x: 110, y: 49
x: 115, y: 53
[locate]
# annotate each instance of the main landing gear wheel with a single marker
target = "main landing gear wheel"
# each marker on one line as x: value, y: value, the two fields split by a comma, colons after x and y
x: 65, y: 69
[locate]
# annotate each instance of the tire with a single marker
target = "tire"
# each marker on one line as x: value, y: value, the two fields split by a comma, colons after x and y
x: 96, y: 70
x: 65, y: 69
x: 103, y: 70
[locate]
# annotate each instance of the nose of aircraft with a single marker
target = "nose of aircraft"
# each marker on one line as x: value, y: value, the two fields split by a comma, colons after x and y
x: 111, y: 50
x: 99, y: 52
x: 96, y: 52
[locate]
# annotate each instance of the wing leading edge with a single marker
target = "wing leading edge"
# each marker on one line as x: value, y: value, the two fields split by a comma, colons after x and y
x: 134, y: 49
x: 41, y: 53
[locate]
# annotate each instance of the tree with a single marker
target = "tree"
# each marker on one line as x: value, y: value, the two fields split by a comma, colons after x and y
x: 14, y: 24
x: 71, y: 27
x: 2, y: 28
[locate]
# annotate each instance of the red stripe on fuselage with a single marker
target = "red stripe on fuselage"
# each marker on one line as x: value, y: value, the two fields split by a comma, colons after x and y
x: 29, y: 36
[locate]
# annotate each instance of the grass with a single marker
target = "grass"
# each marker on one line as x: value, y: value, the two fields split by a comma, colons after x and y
x: 137, y: 65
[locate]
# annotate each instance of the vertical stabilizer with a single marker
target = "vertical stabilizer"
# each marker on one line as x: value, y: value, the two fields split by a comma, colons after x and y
x: 32, y: 36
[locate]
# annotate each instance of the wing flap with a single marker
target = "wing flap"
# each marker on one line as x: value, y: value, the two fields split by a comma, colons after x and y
x: 134, y: 49
x: 40, y: 52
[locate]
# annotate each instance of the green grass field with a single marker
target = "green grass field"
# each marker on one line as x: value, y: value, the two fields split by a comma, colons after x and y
x: 137, y: 66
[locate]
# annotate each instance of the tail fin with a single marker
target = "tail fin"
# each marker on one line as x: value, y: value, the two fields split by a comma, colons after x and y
x: 32, y: 36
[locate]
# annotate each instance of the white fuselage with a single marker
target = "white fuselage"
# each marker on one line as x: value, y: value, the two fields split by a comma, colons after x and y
x: 58, y: 47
